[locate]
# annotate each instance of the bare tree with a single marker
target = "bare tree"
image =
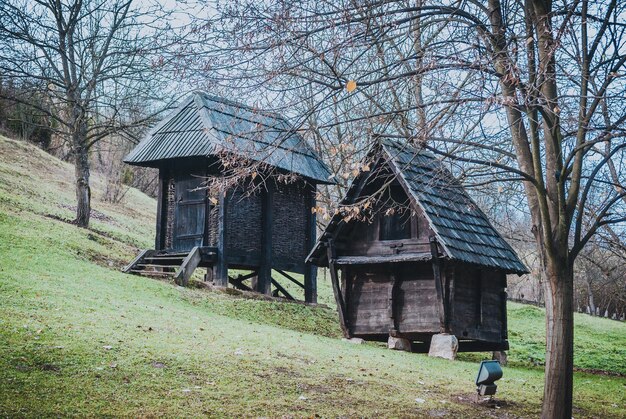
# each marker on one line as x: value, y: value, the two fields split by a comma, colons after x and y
x: 95, y: 63
x: 526, y: 91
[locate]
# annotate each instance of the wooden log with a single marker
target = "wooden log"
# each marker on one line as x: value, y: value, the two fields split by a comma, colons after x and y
x: 188, y: 266
x: 341, y: 309
x: 264, y: 278
x: 220, y: 269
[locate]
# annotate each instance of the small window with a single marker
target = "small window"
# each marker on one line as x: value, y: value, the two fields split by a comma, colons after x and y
x: 396, y: 226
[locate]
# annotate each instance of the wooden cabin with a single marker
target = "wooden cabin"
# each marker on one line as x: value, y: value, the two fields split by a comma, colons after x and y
x: 253, y: 227
x: 421, y: 259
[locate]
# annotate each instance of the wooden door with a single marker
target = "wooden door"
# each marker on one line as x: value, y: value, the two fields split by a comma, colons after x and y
x: 189, y: 213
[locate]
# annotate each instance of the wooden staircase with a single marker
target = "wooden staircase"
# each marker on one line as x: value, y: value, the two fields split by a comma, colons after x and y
x: 177, y: 265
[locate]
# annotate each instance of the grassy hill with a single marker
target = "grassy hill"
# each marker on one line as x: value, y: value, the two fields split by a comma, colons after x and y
x: 77, y: 337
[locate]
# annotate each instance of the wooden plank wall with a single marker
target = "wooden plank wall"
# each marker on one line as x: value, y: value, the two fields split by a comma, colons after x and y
x: 477, y: 305
x: 362, y: 237
x: 415, y: 302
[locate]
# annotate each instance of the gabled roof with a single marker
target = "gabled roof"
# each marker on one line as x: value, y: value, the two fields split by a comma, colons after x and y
x: 205, y: 125
x: 460, y: 226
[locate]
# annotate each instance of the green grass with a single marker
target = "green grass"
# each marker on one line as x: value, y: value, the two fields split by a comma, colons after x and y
x: 77, y: 337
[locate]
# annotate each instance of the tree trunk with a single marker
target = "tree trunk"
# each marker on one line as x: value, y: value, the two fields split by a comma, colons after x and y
x: 558, y: 388
x: 590, y: 300
x: 83, y: 191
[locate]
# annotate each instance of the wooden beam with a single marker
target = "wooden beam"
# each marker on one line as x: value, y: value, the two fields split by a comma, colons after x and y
x: 281, y: 289
x: 291, y: 278
x: 450, y: 286
x: 436, y: 262
x: 237, y: 282
x: 264, y: 278
x: 220, y: 269
x: 482, y: 346
x: 246, y: 276
x: 503, y: 298
x: 310, y: 270
x: 393, y: 310
x: 341, y: 308
x: 158, y: 239
x: 207, y: 214
x: 188, y: 266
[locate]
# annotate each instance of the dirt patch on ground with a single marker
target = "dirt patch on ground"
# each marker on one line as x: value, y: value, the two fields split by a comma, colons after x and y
x: 489, y: 407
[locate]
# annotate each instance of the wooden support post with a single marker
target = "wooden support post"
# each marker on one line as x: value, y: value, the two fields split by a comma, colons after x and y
x: 220, y: 269
x: 438, y: 285
x: 503, y: 298
x: 264, y: 278
x: 254, y: 280
x: 310, y: 272
x: 392, y: 305
x: 450, y: 286
x: 341, y: 309
x: 161, y: 195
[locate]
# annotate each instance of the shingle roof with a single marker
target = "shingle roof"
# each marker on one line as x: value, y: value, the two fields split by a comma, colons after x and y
x: 205, y: 125
x: 460, y: 226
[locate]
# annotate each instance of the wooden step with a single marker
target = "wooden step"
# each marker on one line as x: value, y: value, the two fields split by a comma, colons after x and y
x: 144, y: 266
x: 152, y: 273
x: 169, y: 261
x: 171, y: 254
x: 168, y: 257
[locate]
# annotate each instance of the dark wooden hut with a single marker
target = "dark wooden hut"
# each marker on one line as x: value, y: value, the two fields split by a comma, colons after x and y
x: 425, y: 261
x: 270, y: 229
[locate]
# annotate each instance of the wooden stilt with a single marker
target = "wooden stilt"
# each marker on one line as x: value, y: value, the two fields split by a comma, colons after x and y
x: 220, y: 269
x: 264, y: 278
x: 341, y: 309
x: 310, y: 273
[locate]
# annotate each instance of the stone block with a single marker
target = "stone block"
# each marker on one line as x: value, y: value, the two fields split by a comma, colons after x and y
x: 444, y: 346
x: 399, y: 344
x: 356, y: 341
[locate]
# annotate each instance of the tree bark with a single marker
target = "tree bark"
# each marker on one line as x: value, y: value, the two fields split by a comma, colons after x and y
x: 591, y: 305
x: 558, y: 388
x: 81, y: 169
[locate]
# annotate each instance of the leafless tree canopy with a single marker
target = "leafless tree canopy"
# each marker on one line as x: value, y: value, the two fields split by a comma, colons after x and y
x: 529, y: 92
x: 96, y: 67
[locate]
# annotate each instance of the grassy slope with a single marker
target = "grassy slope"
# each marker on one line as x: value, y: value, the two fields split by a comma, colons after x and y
x: 82, y: 338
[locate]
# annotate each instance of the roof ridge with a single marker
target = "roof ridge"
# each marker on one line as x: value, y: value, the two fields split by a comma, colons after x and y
x: 241, y: 105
